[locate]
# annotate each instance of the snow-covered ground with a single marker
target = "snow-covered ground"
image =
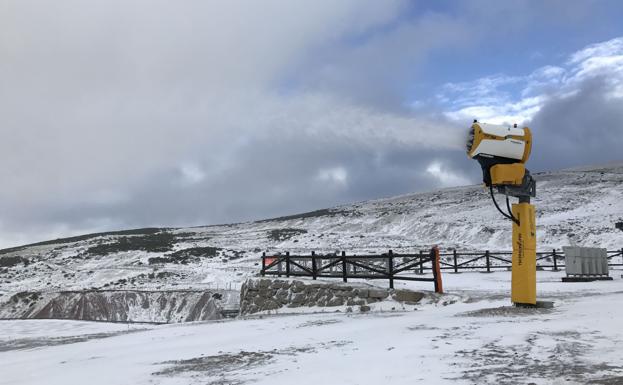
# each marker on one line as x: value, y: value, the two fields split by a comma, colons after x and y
x: 470, y: 337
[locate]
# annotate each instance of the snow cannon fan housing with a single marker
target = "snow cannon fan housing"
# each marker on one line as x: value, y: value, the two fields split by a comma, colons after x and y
x: 501, y: 151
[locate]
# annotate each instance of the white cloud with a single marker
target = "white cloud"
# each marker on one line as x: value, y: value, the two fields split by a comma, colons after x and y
x: 337, y: 175
x: 602, y: 49
x: 516, y: 99
x: 509, y: 113
x: 445, y: 176
x: 191, y: 173
x: 124, y: 110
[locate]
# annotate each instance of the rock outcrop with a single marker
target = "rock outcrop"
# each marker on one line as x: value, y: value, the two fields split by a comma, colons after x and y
x: 121, y: 306
x: 263, y: 294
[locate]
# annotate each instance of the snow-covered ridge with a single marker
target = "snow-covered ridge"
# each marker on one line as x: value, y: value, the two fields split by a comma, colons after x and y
x: 577, y: 205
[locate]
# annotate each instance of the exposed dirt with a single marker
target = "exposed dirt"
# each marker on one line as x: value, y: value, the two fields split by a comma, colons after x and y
x: 186, y: 256
x: 31, y: 343
x: 319, y: 323
x: 506, y: 311
x: 220, y: 366
x: 142, y: 231
x: 12, y: 261
x: 279, y: 235
x: 312, y: 214
x: 235, y: 368
x: 500, y: 364
x: 155, y: 242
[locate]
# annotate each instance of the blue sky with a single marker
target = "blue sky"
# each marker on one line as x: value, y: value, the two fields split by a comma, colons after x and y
x: 120, y: 114
x: 517, y: 40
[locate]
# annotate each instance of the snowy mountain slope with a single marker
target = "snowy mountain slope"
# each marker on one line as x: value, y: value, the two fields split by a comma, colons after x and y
x: 579, y: 205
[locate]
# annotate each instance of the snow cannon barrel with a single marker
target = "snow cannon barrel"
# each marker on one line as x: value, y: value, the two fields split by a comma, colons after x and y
x: 501, y: 151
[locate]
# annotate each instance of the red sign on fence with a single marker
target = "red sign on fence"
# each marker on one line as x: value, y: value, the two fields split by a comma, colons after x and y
x: 270, y: 260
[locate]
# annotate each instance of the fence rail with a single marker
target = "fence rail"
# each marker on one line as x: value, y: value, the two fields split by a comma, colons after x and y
x: 411, y: 267
x: 489, y: 260
x: 388, y: 266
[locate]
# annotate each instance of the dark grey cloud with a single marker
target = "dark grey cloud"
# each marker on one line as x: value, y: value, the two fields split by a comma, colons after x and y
x: 277, y: 177
x: 583, y: 128
x: 121, y: 114
x: 380, y: 70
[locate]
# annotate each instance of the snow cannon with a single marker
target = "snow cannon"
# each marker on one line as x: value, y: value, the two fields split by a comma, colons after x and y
x: 502, y: 153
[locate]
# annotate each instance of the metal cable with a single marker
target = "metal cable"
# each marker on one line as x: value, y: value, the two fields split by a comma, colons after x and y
x: 510, y: 212
x: 499, y: 209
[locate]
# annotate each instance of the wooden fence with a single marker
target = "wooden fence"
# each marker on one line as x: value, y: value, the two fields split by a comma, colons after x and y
x: 409, y: 267
x: 489, y: 260
x: 388, y: 266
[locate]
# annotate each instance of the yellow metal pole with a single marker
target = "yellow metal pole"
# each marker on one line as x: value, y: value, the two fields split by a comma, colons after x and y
x: 523, y: 281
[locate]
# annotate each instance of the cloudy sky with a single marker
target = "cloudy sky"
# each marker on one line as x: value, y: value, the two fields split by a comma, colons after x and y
x: 120, y: 114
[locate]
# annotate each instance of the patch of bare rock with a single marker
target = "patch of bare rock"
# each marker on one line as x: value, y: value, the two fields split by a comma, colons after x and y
x: 263, y: 294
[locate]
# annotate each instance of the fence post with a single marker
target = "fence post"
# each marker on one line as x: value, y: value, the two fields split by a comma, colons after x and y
x: 287, y: 264
x: 263, y: 264
x: 554, y: 257
x: 344, y: 267
x: 390, y: 269
x: 314, y: 272
x: 456, y: 265
x: 488, y: 262
x: 421, y: 263
x: 434, y: 253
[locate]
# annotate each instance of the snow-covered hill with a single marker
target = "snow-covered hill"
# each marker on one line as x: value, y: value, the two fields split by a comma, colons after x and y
x: 577, y: 205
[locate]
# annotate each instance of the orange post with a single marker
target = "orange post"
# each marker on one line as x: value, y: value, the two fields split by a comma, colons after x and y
x: 437, y: 270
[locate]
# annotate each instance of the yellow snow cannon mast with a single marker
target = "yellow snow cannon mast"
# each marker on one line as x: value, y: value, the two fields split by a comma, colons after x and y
x: 502, y: 153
